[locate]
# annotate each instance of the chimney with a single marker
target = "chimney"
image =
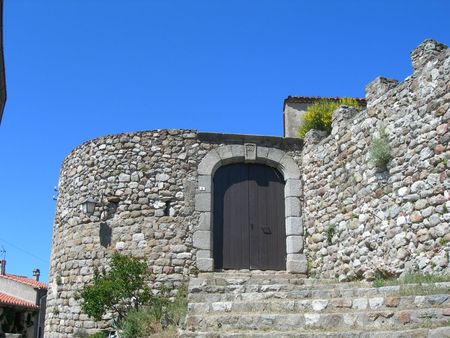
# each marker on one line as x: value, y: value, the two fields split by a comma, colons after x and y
x: 3, y: 267
x: 36, y: 274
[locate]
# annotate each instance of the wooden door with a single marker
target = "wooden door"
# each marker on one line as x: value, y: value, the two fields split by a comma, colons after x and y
x: 249, y: 225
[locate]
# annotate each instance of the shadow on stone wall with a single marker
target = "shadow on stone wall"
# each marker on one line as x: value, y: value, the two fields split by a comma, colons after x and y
x: 105, y: 234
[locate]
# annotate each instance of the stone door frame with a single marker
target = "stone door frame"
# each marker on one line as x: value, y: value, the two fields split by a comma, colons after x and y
x: 273, y: 157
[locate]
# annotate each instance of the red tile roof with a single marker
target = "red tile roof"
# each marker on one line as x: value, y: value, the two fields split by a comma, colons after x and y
x: 25, y: 280
x: 14, y: 301
x: 312, y: 99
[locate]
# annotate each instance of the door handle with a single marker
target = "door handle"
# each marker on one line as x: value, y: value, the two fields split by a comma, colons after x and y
x: 266, y: 230
x: 251, y: 226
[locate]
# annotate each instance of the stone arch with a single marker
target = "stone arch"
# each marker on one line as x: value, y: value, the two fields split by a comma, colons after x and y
x: 226, y: 154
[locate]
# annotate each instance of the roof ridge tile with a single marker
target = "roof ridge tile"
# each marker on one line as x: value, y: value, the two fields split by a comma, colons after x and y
x: 25, y: 280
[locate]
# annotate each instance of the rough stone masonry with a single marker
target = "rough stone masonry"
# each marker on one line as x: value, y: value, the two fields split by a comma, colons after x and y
x: 344, y: 218
x: 387, y: 222
x: 153, y: 193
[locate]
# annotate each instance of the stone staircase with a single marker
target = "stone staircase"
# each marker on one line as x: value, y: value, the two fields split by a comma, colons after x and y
x: 274, y: 304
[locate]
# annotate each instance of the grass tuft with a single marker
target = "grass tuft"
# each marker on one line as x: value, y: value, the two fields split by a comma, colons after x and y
x: 414, y: 278
x: 380, y: 150
x: 160, y: 319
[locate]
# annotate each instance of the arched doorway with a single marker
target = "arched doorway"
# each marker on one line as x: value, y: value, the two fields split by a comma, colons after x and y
x: 249, y: 218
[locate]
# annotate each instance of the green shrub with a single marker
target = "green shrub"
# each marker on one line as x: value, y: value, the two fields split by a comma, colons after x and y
x: 58, y: 280
x: 99, y: 335
x: 380, y: 150
x: 330, y: 233
x: 82, y: 333
x: 383, y: 277
x: 318, y: 115
x: 118, y: 291
x: 122, y: 291
x: 7, y: 321
x: 160, y: 316
x: 178, y: 308
x: 139, y: 323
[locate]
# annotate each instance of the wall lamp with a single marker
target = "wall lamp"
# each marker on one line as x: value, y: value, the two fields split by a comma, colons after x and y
x: 88, y: 205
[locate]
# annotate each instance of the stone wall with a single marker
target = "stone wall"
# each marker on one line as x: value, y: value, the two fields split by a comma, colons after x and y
x: 145, y: 185
x: 359, y: 220
x: 153, y: 194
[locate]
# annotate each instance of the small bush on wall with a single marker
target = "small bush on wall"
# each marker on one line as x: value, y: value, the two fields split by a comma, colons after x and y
x: 118, y: 291
x: 330, y: 233
x: 318, y: 115
x: 380, y: 150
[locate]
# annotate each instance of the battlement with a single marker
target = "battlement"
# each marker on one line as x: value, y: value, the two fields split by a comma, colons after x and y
x: 426, y: 59
x: 360, y: 219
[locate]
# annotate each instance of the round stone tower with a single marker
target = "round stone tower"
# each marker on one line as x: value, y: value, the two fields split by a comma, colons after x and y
x: 151, y: 198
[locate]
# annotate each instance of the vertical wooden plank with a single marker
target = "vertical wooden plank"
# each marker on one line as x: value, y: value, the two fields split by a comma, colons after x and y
x: 254, y: 218
x: 236, y: 235
x: 267, y: 241
x: 277, y: 217
x: 231, y: 217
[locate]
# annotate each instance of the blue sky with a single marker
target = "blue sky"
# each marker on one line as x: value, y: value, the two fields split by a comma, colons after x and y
x: 81, y: 69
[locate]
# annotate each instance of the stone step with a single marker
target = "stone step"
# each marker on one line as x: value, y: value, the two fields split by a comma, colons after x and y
x: 197, y: 285
x: 322, y: 305
x: 215, y: 279
x: 283, y: 291
x: 250, y: 273
x: 277, y: 304
x: 260, y: 276
x: 439, y: 332
x: 373, y: 319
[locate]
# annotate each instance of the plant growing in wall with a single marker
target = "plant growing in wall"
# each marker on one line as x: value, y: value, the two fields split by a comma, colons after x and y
x: 318, y: 115
x: 58, y: 280
x: 136, y: 311
x: 380, y: 150
x: 117, y: 291
x: 330, y: 233
x: 161, y: 319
